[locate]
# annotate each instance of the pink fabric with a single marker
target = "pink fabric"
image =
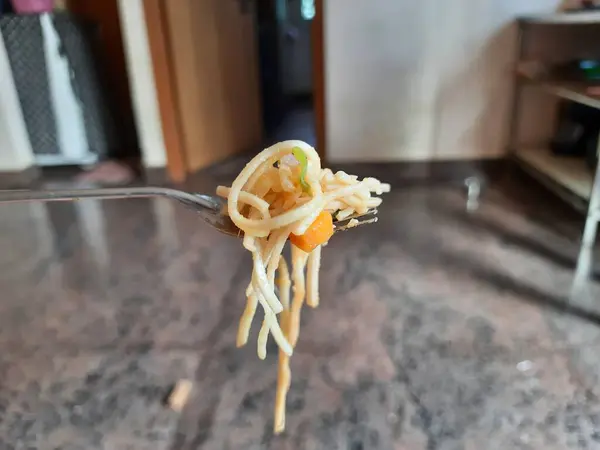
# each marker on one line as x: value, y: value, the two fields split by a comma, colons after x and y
x: 32, y: 6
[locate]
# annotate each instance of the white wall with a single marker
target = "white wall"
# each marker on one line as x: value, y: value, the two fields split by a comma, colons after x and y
x: 15, y: 148
x: 409, y: 80
x: 141, y: 80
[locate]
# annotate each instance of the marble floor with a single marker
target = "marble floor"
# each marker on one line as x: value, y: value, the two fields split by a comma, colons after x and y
x: 438, y: 329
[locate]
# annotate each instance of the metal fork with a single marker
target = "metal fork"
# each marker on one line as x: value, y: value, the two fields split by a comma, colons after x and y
x: 211, y: 208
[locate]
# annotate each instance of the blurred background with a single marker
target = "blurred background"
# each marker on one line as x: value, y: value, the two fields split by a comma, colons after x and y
x: 467, y: 318
x: 170, y: 88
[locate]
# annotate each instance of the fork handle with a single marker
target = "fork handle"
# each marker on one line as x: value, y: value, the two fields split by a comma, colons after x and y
x: 108, y: 193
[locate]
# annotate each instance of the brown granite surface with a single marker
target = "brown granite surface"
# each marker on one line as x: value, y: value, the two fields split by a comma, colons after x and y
x: 437, y: 329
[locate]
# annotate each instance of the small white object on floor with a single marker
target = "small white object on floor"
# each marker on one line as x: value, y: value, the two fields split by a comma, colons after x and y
x: 473, y: 185
x: 180, y: 394
x: 524, y: 366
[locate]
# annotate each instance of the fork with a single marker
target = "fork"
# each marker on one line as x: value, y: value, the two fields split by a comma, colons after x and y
x: 211, y: 208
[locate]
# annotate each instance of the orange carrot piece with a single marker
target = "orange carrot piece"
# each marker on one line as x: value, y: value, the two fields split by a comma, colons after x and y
x: 317, y: 234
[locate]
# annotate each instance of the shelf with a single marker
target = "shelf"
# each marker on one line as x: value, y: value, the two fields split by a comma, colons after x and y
x: 571, y: 91
x: 569, y: 178
x: 576, y: 92
x: 570, y: 175
x: 564, y: 18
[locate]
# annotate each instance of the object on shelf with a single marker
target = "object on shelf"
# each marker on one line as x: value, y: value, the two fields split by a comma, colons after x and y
x: 568, y: 139
x: 577, y: 130
x: 32, y: 6
x: 577, y: 70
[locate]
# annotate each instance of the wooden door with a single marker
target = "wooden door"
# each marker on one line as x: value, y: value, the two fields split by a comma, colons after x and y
x: 213, y: 65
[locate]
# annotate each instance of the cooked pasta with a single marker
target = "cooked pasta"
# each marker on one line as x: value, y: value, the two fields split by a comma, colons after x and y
x: 283, y: 194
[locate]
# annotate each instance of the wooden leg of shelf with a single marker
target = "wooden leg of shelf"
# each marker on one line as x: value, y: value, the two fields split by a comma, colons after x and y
x: 585, y: 260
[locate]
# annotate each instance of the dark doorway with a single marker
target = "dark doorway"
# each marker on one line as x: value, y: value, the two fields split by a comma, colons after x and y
x: 286, y: 69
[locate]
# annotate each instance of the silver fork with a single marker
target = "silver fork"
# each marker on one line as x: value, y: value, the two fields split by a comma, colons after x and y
x: 211, y: 208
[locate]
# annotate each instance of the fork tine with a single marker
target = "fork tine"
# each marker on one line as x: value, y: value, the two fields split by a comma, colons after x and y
x: 358, y: 223
x: 370, y: 212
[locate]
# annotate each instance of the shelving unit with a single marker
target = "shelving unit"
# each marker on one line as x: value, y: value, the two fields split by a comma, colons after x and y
x: 569, y: 178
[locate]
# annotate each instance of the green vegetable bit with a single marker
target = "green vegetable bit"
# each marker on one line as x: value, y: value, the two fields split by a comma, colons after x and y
x: 301, y: 158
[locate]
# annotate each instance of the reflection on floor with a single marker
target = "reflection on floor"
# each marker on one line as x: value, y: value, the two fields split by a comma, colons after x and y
x: 437, y: 329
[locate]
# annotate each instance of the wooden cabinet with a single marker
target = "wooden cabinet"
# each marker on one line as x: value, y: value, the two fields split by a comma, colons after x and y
x: 211, y: 46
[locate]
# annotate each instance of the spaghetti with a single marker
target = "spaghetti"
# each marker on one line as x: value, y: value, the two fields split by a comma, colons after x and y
x: 283, y: 194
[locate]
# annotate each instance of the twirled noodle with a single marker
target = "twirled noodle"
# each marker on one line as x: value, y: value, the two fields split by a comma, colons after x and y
x: 281, y: 194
